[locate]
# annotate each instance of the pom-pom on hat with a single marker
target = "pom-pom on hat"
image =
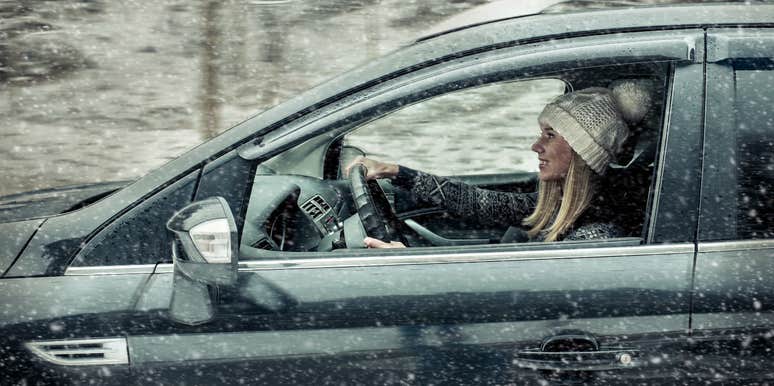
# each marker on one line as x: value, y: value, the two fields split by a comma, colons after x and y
x: 594, y: 121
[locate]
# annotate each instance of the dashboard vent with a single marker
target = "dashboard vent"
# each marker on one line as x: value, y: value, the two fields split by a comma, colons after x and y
x: 315, y: 207
x: 82, y: 352
x: 321, y: 203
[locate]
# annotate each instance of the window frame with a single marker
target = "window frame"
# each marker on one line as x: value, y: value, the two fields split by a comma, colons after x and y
x: 541, y: 59
x: 728, y: 48
x: 509, y: 65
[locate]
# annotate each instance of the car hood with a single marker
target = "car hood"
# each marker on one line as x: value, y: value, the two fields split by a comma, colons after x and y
x: 49, y: 202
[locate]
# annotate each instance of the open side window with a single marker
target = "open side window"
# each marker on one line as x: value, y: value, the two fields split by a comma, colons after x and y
x: 483, y: 136
x: 456, y: 101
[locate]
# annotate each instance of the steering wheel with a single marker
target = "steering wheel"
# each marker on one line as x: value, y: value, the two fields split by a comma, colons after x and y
x: 373, y: 208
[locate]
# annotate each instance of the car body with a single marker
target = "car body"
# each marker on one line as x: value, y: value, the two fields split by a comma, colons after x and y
x: 87, y: 295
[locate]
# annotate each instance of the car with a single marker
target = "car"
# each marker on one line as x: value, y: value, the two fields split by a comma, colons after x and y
x: 242, y: 260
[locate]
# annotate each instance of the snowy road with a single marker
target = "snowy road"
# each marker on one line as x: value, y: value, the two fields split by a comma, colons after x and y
x: 144, y: 87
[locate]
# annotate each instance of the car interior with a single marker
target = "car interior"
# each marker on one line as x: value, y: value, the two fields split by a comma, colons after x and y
x: 301, y: 202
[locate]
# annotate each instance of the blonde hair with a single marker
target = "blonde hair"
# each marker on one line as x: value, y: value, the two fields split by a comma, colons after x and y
x: 565, y: 200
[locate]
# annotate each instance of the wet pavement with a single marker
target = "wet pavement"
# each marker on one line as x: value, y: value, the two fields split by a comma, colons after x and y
x: 97, y: 90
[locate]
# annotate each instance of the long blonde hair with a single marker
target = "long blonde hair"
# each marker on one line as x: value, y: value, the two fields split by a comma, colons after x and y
x: 565, y: 200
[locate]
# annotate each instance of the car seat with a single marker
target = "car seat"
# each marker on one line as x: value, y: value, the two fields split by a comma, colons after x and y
x: 628, y: 181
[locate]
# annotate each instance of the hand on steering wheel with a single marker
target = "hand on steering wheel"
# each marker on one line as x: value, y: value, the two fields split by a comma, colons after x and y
x: 373, y: 208
x: 374, y: 169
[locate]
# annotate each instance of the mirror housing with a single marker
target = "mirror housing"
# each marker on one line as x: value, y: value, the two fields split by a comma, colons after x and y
x: 205, y: 254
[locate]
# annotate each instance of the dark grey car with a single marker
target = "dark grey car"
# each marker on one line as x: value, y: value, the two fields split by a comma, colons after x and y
x: 242, y: 261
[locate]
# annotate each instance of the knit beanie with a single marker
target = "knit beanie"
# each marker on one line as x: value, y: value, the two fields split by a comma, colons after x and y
x: 594, y: 121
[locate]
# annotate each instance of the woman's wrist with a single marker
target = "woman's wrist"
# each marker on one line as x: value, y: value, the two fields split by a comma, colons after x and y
x: 390, y: 170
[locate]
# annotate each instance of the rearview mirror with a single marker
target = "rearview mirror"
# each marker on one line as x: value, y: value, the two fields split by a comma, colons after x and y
x: 204, y: 253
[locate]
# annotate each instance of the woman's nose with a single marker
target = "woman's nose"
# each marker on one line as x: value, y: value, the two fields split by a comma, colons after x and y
x: 536, y: 147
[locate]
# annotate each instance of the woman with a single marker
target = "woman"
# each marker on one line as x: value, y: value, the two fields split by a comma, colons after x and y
x: 580, y: 134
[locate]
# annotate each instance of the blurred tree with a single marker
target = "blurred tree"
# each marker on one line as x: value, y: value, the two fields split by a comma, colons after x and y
x: 210, y: 99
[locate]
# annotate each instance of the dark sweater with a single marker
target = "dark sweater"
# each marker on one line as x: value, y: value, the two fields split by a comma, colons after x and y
x: 498, y: 208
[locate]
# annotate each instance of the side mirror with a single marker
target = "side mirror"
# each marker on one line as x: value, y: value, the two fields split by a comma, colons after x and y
x: 205, y: 254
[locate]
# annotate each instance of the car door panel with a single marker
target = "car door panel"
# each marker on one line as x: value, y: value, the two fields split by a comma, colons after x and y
x: 732, y: 314
x: 721, y: 302
x: 81, y: 336
x: 393, y: 316
x: 732, y: 308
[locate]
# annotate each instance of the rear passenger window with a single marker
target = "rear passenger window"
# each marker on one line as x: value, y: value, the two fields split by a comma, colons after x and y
x: 755, y: 153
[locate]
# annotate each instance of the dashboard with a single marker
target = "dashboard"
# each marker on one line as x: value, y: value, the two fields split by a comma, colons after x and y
x: 295, y: 213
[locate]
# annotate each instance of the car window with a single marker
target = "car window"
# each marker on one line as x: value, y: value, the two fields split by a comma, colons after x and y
x: 480, y: 135
x: 755, y: 153
x: 463, y: 132
x: 140, y: 236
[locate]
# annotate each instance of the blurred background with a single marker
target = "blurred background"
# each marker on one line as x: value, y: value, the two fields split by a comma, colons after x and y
x: 99, y: 90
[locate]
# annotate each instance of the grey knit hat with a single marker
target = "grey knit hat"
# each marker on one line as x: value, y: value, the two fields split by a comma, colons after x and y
x: 595, y: 120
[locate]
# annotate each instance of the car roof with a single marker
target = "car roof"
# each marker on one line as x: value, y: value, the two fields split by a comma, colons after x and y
x: 501, y: 10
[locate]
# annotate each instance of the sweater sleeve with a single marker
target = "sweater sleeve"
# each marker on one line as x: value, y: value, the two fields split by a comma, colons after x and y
x: 459, y: 198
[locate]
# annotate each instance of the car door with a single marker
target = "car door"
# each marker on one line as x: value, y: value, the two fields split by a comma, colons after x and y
x: 732, y: 308
x: 74, y: 327
x: 466, y: 315
x: 79, y: 337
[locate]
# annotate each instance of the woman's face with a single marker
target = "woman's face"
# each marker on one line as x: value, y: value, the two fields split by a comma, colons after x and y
x: 554, y: 154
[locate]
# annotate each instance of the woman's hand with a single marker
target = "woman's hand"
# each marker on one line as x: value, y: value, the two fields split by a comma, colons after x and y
x: 374, y: 168
x: 371, y: 242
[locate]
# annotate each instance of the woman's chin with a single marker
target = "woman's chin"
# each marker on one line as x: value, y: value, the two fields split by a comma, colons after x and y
x: 548, y: 177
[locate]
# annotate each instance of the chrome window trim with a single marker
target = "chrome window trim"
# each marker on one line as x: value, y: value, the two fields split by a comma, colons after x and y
x: 110, y: 270
x: 468, y: 257
x: 411, y: 258
x: 736, y: 245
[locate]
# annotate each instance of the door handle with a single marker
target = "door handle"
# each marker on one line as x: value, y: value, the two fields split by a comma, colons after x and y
x: 604, y: 359
x: 576, y: 351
